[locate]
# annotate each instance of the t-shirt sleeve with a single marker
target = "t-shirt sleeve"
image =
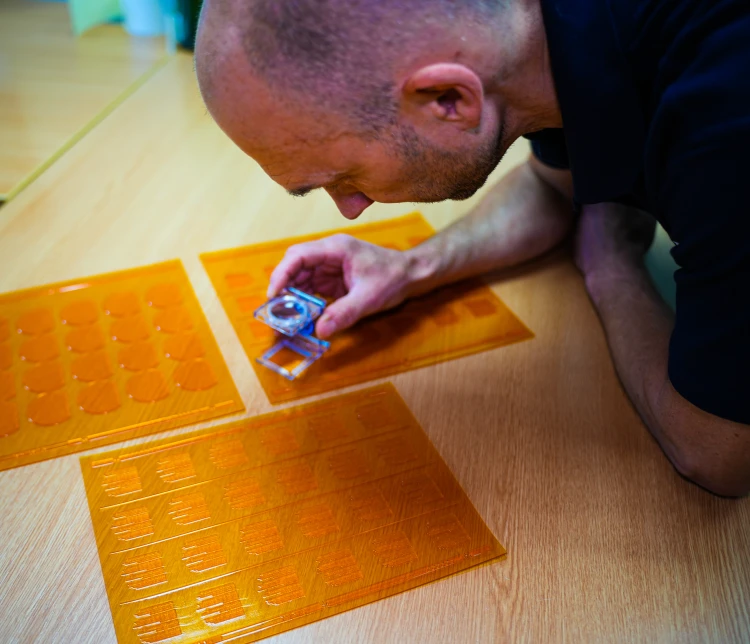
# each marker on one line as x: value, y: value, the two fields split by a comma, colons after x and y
x: 704, y: 193
x: 549, y: 147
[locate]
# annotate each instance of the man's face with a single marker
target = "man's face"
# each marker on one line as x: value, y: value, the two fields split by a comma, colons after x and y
x: 358, y: 171
x: 304, y: 148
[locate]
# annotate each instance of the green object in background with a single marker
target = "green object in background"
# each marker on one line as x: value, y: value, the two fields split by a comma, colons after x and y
x: 85, y: 14
x: 187, y: 14
x: 661, y: 266
x: 181, y: 17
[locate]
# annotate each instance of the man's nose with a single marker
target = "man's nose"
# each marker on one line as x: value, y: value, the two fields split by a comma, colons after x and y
x: 351, y: 205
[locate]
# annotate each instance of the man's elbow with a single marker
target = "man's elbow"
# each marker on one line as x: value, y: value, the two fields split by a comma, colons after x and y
x: 708, y: 450
x: 720, y: 471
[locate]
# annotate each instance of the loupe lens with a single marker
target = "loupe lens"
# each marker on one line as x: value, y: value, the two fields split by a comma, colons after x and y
x: 288, y: 310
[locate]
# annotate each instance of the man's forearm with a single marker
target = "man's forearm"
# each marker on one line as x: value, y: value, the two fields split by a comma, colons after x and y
x: 709, y: 450
x: 521, y: 218
x: 638, y: 325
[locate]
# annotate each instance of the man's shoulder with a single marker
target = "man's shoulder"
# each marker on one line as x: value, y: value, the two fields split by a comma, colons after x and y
x: 618, y: 63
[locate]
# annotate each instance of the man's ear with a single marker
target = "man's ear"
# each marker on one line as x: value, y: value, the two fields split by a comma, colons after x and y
x: 445, y: 91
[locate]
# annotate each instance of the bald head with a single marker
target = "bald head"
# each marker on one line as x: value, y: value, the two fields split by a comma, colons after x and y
x: 375, y: 100
x: 338, y: 55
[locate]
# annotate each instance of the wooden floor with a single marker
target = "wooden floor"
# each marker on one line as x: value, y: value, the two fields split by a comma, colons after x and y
x: 53, y: 85
x: 606, y: 543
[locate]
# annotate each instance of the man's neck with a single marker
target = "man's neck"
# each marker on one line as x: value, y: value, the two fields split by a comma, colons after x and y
x: 525, y: 82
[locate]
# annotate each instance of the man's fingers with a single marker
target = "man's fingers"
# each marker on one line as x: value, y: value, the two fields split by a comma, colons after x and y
x: 297, y: 258
x: 344, y: 312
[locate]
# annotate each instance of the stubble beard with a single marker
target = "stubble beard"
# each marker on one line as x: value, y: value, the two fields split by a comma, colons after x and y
x: 437, y: 175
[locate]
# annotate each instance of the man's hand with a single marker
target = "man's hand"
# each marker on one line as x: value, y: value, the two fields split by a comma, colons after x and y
x: 363, y: 278
x: 524, y: 215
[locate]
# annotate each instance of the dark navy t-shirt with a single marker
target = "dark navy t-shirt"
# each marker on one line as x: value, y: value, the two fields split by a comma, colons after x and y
x: 655, y: 100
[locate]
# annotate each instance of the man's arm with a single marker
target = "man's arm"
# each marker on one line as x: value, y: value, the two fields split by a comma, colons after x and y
x: 526, y: 214
x: 711, y: 451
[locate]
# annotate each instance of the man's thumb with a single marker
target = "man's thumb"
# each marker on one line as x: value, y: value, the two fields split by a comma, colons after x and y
x: 340, y: 315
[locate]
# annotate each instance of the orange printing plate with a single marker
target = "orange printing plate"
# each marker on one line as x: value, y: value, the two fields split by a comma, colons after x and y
x: 104, y: 359
x: 449, y: 323
x: 242, y: 531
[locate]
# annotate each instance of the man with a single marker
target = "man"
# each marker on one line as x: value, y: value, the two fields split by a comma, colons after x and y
x: 631, y: 106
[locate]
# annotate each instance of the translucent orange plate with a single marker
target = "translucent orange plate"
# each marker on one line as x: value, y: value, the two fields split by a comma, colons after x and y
x: 103, y: 359
x: 449, y: 323
x: 246, y: 530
